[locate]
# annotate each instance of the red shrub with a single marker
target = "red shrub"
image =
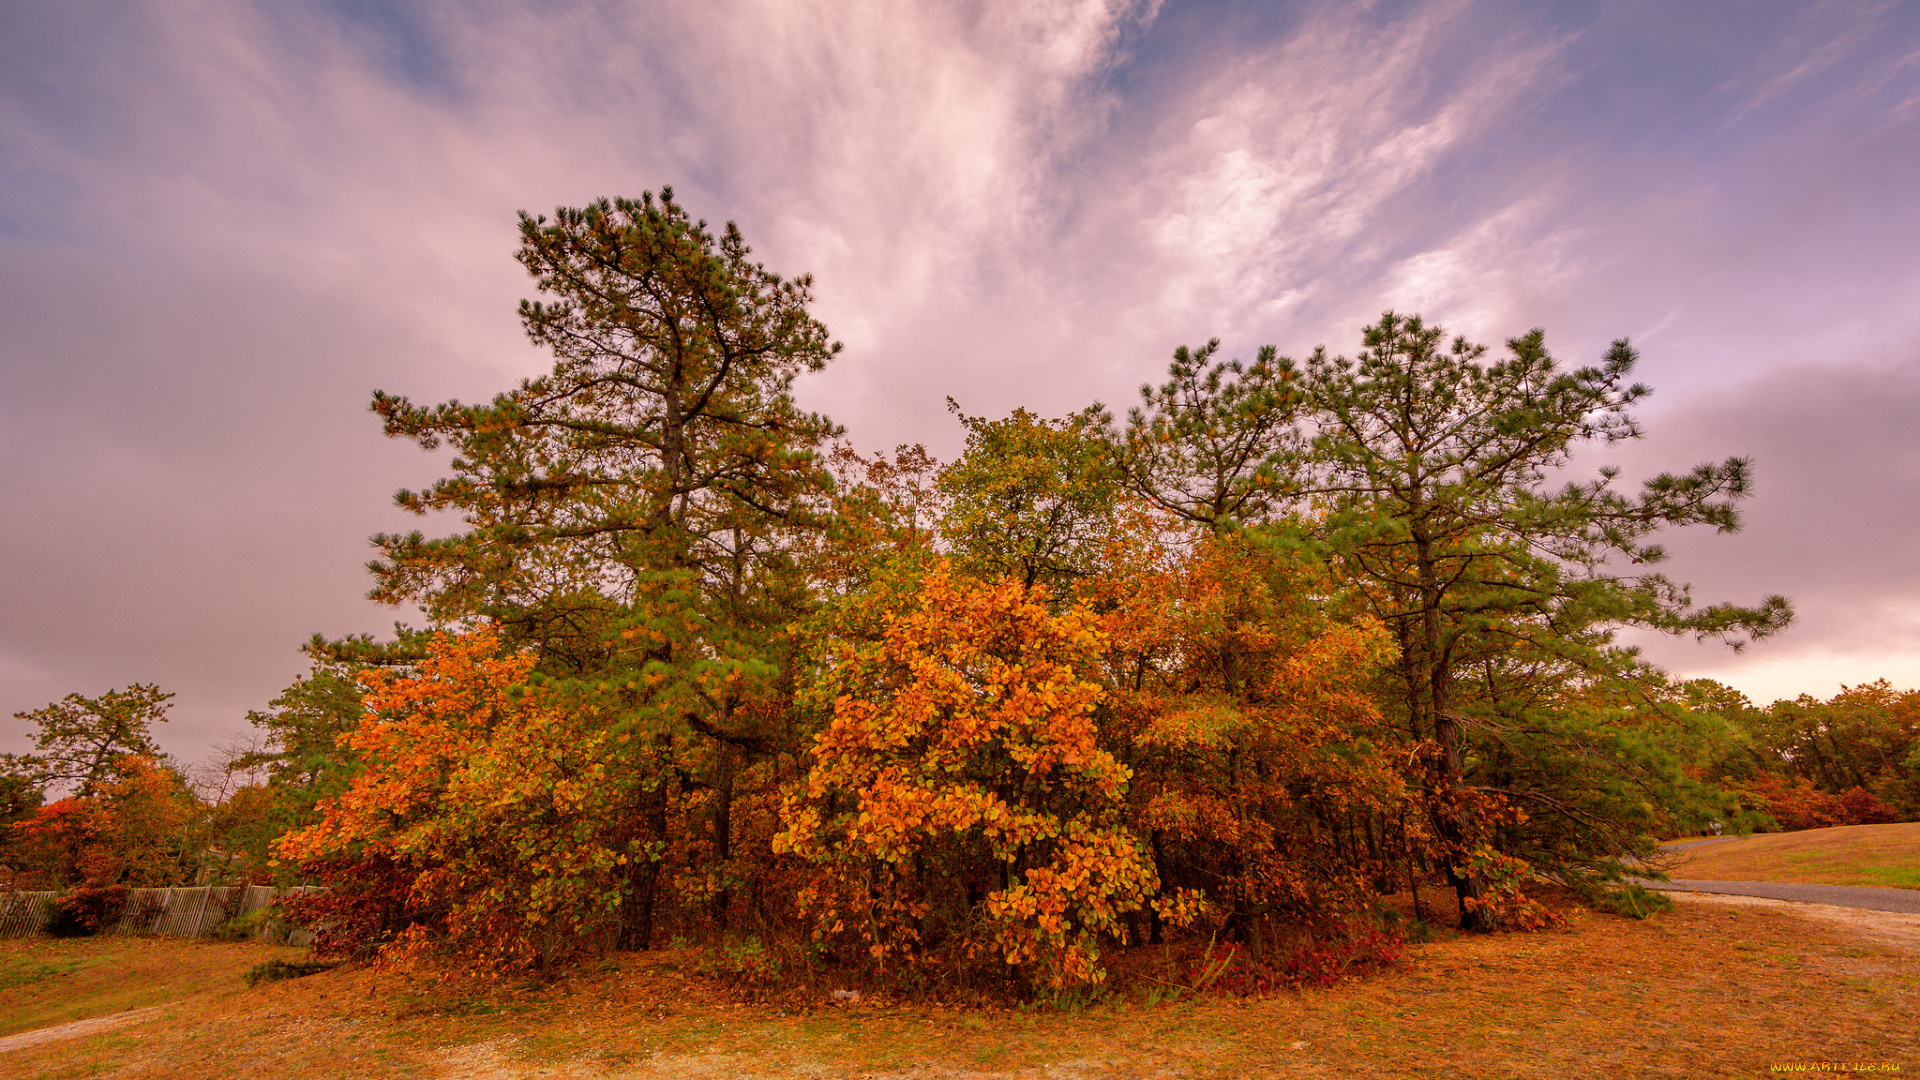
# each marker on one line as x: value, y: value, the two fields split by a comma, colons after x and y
x: 365, y: 903
x: 1228, y: 968
x: 1861, y: 807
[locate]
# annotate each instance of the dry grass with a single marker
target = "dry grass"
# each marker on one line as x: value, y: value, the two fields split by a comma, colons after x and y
x: 47, y: 981
x: 1712, y: 989
x: 1884, y: 855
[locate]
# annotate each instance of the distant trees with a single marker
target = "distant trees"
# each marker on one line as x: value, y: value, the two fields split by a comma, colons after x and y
x: 134, y: 829
x: 100, y: 806
x: 1853, y: 759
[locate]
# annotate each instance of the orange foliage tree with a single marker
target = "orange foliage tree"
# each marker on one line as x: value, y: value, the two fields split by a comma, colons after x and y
x: 495, y: 797
x: 1262, y: 761
x: 133, y: 828
x: 958, y: 806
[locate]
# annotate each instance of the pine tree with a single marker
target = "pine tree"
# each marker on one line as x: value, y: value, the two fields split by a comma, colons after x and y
x: 81, y: 739
x: 631, y: 515
x: 1433, y: 466
x: 1218, y: 443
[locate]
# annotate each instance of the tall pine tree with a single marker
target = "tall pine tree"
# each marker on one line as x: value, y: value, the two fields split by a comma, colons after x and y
x: 629, y: 514
x: 1433, y: 468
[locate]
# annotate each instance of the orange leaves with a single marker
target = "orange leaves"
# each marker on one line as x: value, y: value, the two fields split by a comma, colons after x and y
x: 1247, y: 713
x: 962, y: 764
x: 1503, y: 901
x: 498, y: 793
x: 127, y: 830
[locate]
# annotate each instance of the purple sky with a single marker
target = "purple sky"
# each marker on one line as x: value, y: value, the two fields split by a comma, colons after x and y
x: 222, y: 225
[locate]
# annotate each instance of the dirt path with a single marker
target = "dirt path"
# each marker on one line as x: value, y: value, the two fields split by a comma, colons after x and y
x: 77, y: 1028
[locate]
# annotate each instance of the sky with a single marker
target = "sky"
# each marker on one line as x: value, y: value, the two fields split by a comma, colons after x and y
x: 223, y: 225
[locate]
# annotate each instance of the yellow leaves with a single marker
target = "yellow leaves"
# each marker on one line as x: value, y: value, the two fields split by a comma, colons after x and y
x: 972, y: 721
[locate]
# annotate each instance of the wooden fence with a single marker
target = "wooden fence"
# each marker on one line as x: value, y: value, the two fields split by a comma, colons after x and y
x: 187, y: 913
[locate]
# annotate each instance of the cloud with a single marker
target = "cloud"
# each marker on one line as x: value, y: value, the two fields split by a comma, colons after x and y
x: 223, y: 224
x: 1826, y: 33
x: 1831, y: 523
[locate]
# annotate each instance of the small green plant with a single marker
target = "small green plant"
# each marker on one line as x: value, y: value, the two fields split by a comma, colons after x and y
x: 1631, y: 900
x: 1068, y: 1001
x: 745, y: 965
x: 240, y: 928
x: 276, y: 970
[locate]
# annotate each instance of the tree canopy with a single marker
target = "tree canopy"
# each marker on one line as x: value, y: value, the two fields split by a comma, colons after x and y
x: 1290, y: 639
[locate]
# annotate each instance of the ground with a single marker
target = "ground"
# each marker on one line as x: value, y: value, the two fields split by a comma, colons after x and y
x: 1719, y: 987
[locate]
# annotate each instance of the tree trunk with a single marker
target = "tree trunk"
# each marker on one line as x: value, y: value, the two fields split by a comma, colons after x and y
x: 1451, y: 768
x: 643, y: 878
x: 723, y: 834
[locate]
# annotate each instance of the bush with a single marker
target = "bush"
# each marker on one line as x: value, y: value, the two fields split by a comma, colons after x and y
x: 276, y: 970
x: 240, y: 928
x: 1796, y: 804
x: 1631, y: 900
x: 747, y: 966
x: 366, y: 904
x: 1861, y: 807
x: 86, y: 910
x: 1228, y: 968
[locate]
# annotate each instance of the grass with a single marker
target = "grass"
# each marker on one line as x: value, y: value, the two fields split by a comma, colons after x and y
x: 1708, y: 990
x: 1887, y: 856
x: 48, y: 981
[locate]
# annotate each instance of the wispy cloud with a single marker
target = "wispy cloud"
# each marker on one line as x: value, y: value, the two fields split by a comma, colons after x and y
x: 1824, y: 36
x: 222, y: 224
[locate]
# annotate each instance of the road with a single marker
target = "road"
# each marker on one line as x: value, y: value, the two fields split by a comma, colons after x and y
x: 1850, y: 896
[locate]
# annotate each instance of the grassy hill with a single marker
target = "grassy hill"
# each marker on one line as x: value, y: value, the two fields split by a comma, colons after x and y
x: 1887, y: 856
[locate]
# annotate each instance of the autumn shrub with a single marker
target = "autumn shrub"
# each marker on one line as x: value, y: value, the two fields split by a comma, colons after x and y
x: 364, y: 903
x: 722, y: 874
x: 485, y: 825
x: 1505, y: 902
x: 278, y: 970
x: 87, y: 910
x: 1859, y: 806
x: 1795, y: 803
x: 746, y: 965
x: 958, y: 811
x: 1325, y: 959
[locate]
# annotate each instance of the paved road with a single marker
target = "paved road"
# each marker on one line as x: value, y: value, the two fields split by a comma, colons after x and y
x: 1852, y: 896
